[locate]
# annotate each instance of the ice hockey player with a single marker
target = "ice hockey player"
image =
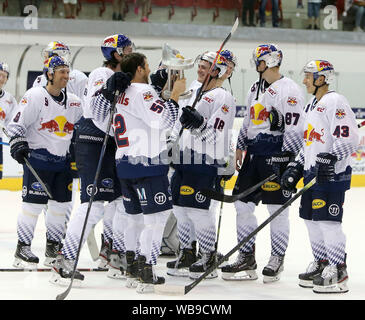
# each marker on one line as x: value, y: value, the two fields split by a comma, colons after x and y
x: 204, y: 148
x: 271, y: 127
x: 41, y: 131
x: 188, y: 253
x: 89, y: 139
x: 7, y: 106
x: 140, y: 125
x: 330, y: 137
x: 76, y: 85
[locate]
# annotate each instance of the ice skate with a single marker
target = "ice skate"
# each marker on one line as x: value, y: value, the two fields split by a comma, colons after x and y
x: 132, y: 270
x: 62, y: 272
x: 220, y: 255
x: 180, y: 266
x: 244, y: 268
x: 199, y: 267
x: 333, y: 279
x: 117, y: 265
x: 314, y: 269
x: 273, y: 269
x: 104, y: 253
x: 24, y: 257
x: 147, y: 277
x: 52, y: 250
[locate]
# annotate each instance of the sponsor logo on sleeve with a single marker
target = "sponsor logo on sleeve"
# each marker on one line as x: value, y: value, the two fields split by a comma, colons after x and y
x: 292, y: 101
x: 208, y: 99
x: 147, y: 96
x: 160, y: 198
x: 271, y: 91
x: 225, y: 109
x: 200, y: 198
x: 98, y: 82
x: 334, y: 210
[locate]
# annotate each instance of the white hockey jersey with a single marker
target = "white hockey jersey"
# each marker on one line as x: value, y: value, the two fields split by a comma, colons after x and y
x: 210, y: 144
x: 76, y: 83
x: 97, y: 78
x: 7, y: 106
x: 45, y: 123
x: 255, y: 135
x: 330, y: 126
x: 140, y: 124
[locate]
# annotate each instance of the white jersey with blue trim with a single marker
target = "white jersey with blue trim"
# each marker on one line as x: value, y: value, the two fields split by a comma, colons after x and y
x: 76, y: 84
x: 7, y: 106
x: 97, y: 79
x: 44, y: 122
x: 212, y: 140
x: 285, y: 96
x: 330, y: 126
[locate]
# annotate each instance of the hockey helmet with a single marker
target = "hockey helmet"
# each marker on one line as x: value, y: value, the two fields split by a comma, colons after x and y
x: 230, y: 57
x: 320, y: 68
x: 54, y: 62
x: 57, y: 48
x: 116, y: 42
x: 4, y: 67
x: 220, y: 64
x: 270, y: 53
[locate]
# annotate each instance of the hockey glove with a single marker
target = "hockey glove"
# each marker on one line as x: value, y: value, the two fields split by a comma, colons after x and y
x: 291, y: 176
x: 190, y: 118
x: 276, y: 121
x: 158, y: 79
x: 19, y: 149
x: 280, y: 161
x: 118, y: 81
x: 325, y: 163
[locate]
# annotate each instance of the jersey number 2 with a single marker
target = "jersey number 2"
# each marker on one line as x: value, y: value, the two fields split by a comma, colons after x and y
x: 119, y: 130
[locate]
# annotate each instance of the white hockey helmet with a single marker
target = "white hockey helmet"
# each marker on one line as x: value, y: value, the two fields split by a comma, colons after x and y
x: 57, y: 48
x: 270, y: 53
x: 320, y: 68
x: 220, y: 64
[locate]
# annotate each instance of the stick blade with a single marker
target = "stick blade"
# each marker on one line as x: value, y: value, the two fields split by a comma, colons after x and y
x: 212, y: 194
x: 235, y: 26
x: 170, y: 290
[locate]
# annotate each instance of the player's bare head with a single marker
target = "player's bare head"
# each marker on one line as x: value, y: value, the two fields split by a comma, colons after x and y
x: 4, y: 73
x: 137, y: 65
x: 114, y: 47
x: 57, y: 70
x: 318, y: 74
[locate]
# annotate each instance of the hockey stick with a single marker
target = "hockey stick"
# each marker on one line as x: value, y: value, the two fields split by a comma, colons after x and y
x: 92, y: 245
x: 63, y: 295
x: 205, y: 82
x: 5, y: 143
x: 50, y: 269
x: 33, y: 172
x: 361, y: 124
x: 182, y: 290
x: 212, y: 194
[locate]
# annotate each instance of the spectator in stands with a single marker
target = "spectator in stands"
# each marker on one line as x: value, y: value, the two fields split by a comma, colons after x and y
x: 314, y: 7
x: 359, y: 6
x: 248, y: 7
x: 146, y: 6
x: 275, y: 11
x: 118, y: 8
x: 70, y: 8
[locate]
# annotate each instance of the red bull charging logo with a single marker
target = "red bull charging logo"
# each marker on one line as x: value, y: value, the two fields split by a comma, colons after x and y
x: 59, y: 126
x: 258, y: 114
x: 323, y: 65
x: 311, y: 135
x: 2, y: 114
x: 262, y: 50
x: 111, y: 42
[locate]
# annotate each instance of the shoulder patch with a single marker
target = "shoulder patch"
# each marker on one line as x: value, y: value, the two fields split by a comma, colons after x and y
x: 225, y: 108
x: 24, y: 101
x: 340, y: 113
x: 208, y: 99
x: 98, y: 82
x: 147, y: 96
x: 271, y: 91
x: 292, y: 101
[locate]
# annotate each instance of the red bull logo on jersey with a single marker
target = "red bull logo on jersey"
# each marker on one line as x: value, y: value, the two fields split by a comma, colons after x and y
x: 2, y: 114
x: 147, y: 96
x: 292, y: 101
x: 59, y: 126
x: 225, y: 109
x: 311, y: 135
x: 340, y: 114
x: 258, y: 114
x: 24, y: 101
x: 98, y: 82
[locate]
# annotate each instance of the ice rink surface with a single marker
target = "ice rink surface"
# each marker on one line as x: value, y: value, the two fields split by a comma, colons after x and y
x: 96, y: 286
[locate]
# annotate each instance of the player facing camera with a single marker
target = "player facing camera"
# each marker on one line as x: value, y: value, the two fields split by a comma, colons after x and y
x: 57, y: 71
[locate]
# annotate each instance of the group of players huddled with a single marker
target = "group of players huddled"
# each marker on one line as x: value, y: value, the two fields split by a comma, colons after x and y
x: 64, y: 119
